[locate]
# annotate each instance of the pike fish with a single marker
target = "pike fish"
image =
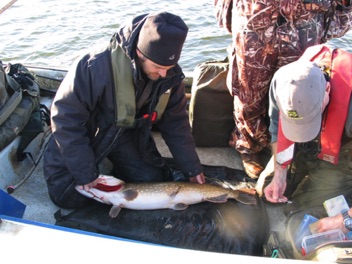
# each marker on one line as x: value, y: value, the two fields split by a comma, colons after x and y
x: 162, y: 195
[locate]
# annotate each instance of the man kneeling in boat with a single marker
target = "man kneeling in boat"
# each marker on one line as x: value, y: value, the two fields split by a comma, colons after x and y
x: 107, y: 104
x: 311, y: 126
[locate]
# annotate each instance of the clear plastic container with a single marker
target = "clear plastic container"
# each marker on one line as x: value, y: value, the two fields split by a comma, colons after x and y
x: 336, y: 205
x: 311, y: 242
x: 303, y: 229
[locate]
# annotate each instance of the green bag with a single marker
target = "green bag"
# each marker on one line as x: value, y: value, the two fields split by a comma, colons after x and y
x: 4, y: 96
x: 9, y: 97
x: 211, y: 105
x: 20, y: 105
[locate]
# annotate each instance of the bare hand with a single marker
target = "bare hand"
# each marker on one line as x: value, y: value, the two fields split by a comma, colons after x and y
x: 86, y: 187
x: 328, y: 223
x: 200, y: 178
x: 274, y: 192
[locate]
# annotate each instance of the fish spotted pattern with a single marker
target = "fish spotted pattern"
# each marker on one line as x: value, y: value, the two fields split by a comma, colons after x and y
x: 163, y: 195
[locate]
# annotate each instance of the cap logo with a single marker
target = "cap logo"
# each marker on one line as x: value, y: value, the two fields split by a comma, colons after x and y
x: 293, y: 114
x: 172, y: 57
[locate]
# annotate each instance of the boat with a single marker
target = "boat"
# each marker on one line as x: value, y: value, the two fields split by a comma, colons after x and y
x: 27, y: 214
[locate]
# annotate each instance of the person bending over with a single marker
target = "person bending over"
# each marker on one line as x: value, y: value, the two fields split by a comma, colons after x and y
x: 306, y: 114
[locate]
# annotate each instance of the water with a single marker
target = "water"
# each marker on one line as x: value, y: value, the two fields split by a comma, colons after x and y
x: 54, y: 33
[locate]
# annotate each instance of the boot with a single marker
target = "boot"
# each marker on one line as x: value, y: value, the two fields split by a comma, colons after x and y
x: 252, y: 165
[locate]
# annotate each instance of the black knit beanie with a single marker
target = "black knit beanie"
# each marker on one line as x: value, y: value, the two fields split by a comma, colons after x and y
x: 161, y: 38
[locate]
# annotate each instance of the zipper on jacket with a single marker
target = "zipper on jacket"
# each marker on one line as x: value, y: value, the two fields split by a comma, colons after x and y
x: 106, y: 152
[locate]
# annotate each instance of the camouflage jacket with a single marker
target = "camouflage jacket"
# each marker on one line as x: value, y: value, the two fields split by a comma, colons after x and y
x: 266, y: 16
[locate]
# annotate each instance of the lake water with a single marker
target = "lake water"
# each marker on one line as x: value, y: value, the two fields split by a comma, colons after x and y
x: 54, y: 33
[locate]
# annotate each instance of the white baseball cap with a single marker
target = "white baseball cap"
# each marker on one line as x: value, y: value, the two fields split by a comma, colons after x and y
x: 300, y: 91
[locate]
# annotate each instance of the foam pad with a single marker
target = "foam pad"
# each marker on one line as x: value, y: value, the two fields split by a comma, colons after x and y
x: 229, y: 227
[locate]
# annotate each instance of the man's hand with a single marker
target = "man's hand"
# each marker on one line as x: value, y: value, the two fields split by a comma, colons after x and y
x: 200, y: 178
x: 328, y: 223
x: 86, y: 187
x: 274, y: 192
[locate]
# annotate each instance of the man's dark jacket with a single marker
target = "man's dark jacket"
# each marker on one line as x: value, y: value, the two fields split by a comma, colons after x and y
x: 83, y: 115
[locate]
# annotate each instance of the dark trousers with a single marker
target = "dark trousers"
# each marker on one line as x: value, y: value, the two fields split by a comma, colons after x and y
x: 320, y: 180
x: 129, y: 165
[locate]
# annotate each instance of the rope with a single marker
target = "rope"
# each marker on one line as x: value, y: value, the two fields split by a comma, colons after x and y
x: 7, y: 6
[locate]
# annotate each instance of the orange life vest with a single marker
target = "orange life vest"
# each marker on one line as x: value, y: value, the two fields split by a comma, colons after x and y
x: 339, y: 64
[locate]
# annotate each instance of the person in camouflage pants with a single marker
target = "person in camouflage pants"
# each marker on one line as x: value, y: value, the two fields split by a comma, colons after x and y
x: 267, y: 35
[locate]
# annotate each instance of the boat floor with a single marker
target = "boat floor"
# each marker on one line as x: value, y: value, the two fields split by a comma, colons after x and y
x: 39, y: 208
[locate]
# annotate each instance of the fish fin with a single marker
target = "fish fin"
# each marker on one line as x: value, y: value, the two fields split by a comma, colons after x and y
x: 179, y: 206
x: 114, y: 211
x: 217, y: 199
x: 246, y: 198
x: 130, y: 194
